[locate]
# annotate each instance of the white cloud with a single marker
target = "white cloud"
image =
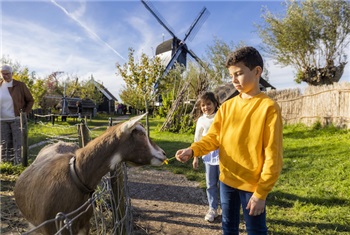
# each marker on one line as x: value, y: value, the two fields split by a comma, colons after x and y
x: 45, y: 49
x: 92, y: 34
x: 51, y: 51
x: 282, y: 77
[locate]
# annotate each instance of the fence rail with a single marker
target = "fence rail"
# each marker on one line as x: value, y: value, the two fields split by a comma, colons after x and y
x: 325, y: 104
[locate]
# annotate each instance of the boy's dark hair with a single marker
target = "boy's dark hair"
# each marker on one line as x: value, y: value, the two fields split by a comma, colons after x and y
x: 248, y: 55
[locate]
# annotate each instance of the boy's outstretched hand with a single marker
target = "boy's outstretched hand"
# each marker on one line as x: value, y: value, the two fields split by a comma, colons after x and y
x: 183, y: 155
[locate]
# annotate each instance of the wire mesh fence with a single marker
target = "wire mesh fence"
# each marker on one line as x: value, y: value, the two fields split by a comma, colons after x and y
x: 111, y: 204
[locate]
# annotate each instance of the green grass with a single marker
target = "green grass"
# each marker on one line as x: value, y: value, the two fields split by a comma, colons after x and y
x: 312, y: 195
x: 171, y: 142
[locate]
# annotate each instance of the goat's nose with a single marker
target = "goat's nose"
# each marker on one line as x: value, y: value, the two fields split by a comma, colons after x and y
x: 163, y: 152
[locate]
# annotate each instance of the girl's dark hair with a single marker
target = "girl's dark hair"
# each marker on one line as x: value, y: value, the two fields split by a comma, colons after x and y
x: 208, y: 95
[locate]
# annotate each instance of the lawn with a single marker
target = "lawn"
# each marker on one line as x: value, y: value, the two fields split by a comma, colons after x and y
x: 312, y: 195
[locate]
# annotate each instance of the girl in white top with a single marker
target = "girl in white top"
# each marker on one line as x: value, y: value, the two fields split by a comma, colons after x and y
x: 208, y: 106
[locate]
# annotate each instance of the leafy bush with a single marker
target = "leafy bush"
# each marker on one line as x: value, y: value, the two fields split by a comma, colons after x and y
x: 7, y: 168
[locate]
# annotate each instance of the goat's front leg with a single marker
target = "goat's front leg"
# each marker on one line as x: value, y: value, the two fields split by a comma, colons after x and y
x: 84, y: 231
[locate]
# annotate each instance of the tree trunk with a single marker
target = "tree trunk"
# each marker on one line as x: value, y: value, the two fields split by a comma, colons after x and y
x: 323, y: 76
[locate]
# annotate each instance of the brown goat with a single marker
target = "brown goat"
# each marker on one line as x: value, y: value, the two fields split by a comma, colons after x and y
x: 48, y: 186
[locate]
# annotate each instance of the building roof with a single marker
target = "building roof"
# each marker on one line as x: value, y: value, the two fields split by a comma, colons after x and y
x: 227, y: 91
x: 104, y: 91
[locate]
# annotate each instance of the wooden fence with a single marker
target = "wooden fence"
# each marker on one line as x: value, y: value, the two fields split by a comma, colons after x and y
x: 329, y: 104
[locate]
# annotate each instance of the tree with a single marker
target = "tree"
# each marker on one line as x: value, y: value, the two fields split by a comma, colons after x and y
x: 88, y: 90
x: 38, y: 93
x: 217, y: 54
x: 72, y: 86
x: 53, y: 84
x: 131, y: 97
x: 140, y: 78
x: 312, y: 37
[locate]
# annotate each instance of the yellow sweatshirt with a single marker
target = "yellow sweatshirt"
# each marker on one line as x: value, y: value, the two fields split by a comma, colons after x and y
x: 248, y: 133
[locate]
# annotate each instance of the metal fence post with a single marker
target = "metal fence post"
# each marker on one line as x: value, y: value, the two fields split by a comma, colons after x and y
x: 24, y: 138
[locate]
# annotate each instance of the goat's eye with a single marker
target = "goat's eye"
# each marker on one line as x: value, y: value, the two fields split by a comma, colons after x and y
x: 140, y: 133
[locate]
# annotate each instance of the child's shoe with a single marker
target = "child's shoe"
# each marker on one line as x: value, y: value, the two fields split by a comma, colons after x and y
x: 211, y: 215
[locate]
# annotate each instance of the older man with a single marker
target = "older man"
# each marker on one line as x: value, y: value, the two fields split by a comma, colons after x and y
x: 14, y: 97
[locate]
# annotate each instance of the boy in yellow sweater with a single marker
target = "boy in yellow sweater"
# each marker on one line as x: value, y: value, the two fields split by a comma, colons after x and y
x: 247, y: 129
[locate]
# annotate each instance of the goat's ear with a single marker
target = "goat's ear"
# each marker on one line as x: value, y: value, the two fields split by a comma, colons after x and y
x: 129, y: 125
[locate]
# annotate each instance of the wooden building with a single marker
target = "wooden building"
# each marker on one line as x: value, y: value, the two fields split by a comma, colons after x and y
x: 109, y: 101
x: 70, y: 107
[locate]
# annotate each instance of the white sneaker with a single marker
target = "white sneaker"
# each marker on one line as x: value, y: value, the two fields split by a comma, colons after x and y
x: 211, y: 215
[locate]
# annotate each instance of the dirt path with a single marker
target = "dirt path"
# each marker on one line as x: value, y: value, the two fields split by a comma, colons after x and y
x: 11, y: 220
x: 166, y: 203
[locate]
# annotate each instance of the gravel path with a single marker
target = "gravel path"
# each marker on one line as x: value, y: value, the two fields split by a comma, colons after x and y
x: 166, y: 203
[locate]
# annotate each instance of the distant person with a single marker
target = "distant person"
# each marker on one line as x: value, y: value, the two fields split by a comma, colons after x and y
x: 14, y: 98
x: 79, y: 108
x: 124, y: 109
x: 120, y: 109
x: 208, y: 104
x: 247, y: 129
x: 65, y: 109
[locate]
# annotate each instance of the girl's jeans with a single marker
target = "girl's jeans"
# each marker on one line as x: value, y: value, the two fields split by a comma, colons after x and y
x: 212, y: 173
x: 231, y: 201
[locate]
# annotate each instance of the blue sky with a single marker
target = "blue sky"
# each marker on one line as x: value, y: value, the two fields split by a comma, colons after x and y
x: 87, y: 38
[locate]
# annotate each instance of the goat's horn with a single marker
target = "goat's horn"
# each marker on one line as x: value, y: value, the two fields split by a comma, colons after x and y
x: 132, y: 121
x: 137, y: 118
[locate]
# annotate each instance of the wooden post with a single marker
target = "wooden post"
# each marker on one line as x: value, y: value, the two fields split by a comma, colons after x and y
x: 24, y: 138
x: 117, y: 185
x: 147, y: 121
x: 110, y: 122
x: 83, y: 134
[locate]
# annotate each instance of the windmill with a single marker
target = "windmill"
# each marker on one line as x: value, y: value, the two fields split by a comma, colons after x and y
x: 175, y: 49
